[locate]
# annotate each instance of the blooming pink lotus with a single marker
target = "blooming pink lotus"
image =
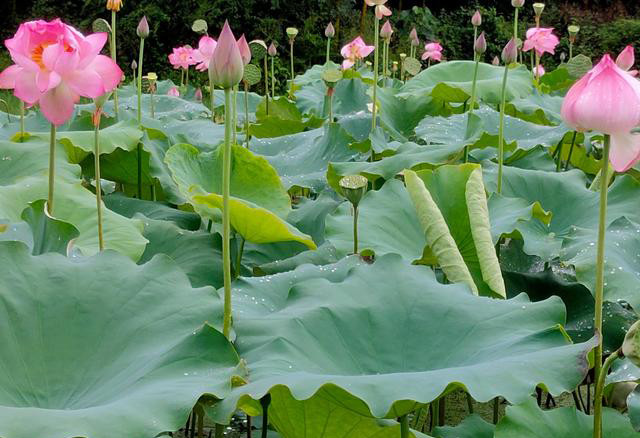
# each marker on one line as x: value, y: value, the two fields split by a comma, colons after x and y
x: 541, y: 39
x: 381, y: 10
x: 173, y: 91
x: 607, y: 99
x: 432, y: 51
x: 203, y: 54
x: 182, y: 57
x: 55, y: 65
x: 354, y: 51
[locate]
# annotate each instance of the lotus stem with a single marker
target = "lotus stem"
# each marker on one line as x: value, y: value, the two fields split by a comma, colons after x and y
x: 435, y: 409
x: 141, y: 57
x: 186, y: 83
x: 536, y: 72
x: 496, y: 410
x: 573, y: 143
x: 501, y: 129
x: 219, y: 431
x: 273, y: 76
x: 375, y: 73
x: 52, y: 168
x: 238, y: 264
x: 597, y: 410
x: 96, y: 153
x: 328, y: 49
x: 246, y: 113
x: 330, y: 96
x: 570, y: 50
x: 515, y: 25
x: 355, y: 230
x: 473, y: 103
x: 213, y: 101
x: 475, y: 38
x: 226, y: 225
x: 469, y: 403
x: 404, y: 427
x: 292, y: 74
x: 21, y: 121
x: 559, y: 162
x: 265, y: 401
x: 235, y: 113
x: 114, y: 56
x: 153, y: 104
x: 599, y: 292
x: 266, y: 83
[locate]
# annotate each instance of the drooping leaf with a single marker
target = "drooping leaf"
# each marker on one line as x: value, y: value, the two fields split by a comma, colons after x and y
x: 49, y: 234
x: 472, y: 426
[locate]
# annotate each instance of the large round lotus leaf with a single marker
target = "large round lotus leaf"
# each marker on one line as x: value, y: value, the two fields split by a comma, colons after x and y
x: 445, y: 80
x: 369, y: 342
x: 349, y: 96
x: 633, y: 402
x: 31, y: 158
x: 321, y: 417
x: 528, y: 420
x: 472, y: 426
x: 252, y: 178
x: 100, y: 347
x: 76, y: 205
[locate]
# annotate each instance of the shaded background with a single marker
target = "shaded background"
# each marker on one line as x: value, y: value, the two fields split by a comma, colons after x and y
x: 606, y: 25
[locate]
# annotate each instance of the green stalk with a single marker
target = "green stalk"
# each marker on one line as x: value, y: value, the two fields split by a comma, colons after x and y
x: 266, y: 84
x: 113, y: 56
x: 355, y: 230
x: 599, y: 292
x: 273, y: 76
x: 515, y: 24
x: 475, y: 37
x: 226, y: 225
x: 404, y: 427
x: 473, y: 103
x: 597, y: 415
x: 140, y: 58
x: 501, y: 130
x: 496, y: 410
x: 52, y: 168
x: 330, y: 95
x: 212, y: 89
x: 153, y: 106
x: 21, y: 120
x: 328, y: 49
x: 219, y: 431
x: 570, y: 50
x: 375, y: 73
x: 559, y: 162
x: 186, y: 84
x: 246, y: 113
x: 292, y: 74
x: 536, y: 75
x: 573, y: 143
x: 235, y: 113
x: 533, y: 72
x: 96, y: 153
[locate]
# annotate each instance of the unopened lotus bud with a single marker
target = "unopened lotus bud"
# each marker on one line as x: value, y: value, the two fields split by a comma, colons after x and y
x: 413, y: 35
x: 291, y: 33
x: 226, y: 67
x: 517, y: 3
x: 415, y: 42
x: 510, y: 52
x: 538, y: 8
x: 353, y: 188
x: 134, y: 65
x: 245, y: 51
x: 386, y: 31
x: 481, y: 44
x: 272, y: 50
x: 563, y: 56
x: 476, y: 20
x: 496, y: 61
x: 330, y: 31
x: 143, y: 28
x: 631, y: 344
x: 198, y: 95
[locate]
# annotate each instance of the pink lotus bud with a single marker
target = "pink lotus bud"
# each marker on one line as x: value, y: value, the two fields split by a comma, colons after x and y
x: 496, y: 61
x: 476, y: 20
x: 330, y: 31
x: 272, y: 50
x: 517, y: 3
x: 539, y: 71
x: 481, y: 44
x: 226, y: 67
x: 413, y: 35
x: 386, y: 31
x: 510, y: 52
x: 626, y: 59
x: 198, y: 95
x: 245, y: 51
x: 607, y: 99
x: 143, y: 28
x: 173, y: 91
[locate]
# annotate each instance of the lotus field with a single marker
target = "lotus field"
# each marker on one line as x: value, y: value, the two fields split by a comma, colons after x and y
x: 399, y: 245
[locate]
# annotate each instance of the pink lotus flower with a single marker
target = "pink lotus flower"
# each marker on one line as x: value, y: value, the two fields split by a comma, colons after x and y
x: 541, y: 39
x: 203, y: 54
x: 626, y: 60
x: 55, y: 65
x: 386, y: 30
x: 381, y: 10
x: 245, y: 51
x: 182, y: 57
x: 539, y: 71
x: 198, y: 95
x: 432, y: 51
x: 173, y: 91
x: 607, y: 99
x: 354, y: 51
x: 226, y: 67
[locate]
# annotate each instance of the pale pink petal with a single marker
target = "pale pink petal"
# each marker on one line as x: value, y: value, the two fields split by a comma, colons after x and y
x: 91, y: 47
x: 57, y: 104
x: 87, y: 83
x: 51, y: 54
x: 385, y: 10
x: 347, y: 63
x: 26, y: 88
x: 625, y: 150
x: 9, y: 75
x: 108, y: 70
x: 67, y: 63
x: 46, y: 80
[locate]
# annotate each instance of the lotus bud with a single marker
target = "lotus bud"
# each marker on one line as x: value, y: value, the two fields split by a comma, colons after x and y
x: 496, y: 61
x: 134, y: 65
x: 481, y: 44
x: 226, y: 67
x: 517, y: 3
x: 291, y: 33
x: 415, y: 42
x: 386, y: 31
x: 245, y: 51
x: 114, y: 5
x: 198, y: 95
x: 538, y: 8
x: 353, y: 188
x: 510, y: 52
x: 631, y: 344
x: 476, y: 20
x: 563, y: 56
x: 626, y: 59
x: 143, y: 28
x: 272, y: 50
x: 173, y: 91
x: 330, y: 31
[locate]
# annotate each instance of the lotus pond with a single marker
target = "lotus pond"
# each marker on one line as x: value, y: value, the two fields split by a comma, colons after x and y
x: 399, y: 245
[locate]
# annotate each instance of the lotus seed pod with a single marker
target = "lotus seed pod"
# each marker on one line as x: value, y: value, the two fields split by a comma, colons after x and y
x: 353, y: 188
x: 538, y: 8
x: 292, y: 32
x: 517, y: 3
x: 573, y: 29
x: 631, y: 344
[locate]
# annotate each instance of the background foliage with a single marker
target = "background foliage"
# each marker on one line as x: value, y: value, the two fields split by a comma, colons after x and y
x: 607, y: 25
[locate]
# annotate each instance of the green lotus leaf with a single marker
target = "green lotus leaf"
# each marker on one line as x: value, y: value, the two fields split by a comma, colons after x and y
x: 129, y: 207
x: 528, y: 420
x: 88, y: 356
x: 507, y: 213
x: 349, y: 96
x: 459, y: 75
x: 31, y: 158
x: 49, y: 234
x: 633, y: 403
x: 472, y: 426
x: 303, y: 343
x: 77, y: 206
x: 542, y: 109
x: 252, y: 177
